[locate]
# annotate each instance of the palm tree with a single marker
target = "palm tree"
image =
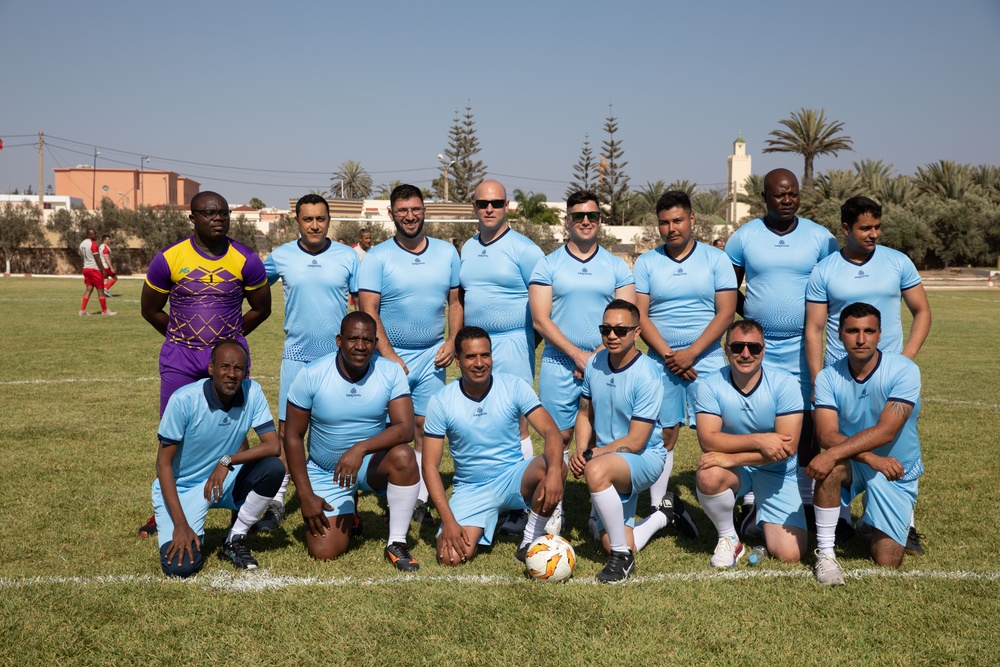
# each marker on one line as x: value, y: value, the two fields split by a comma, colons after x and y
x: 644, y: 200
x: 685, y: 186
x: 809, y: 134
x: 385, y: 190
x: 754, y: 186
x: 531, y: 208
x: 351, y: 181
x: 875, y: 176
x: 945, y: 179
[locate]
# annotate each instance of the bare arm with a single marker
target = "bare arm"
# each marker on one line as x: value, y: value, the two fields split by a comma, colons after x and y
x: 774, y: 446
x: 183, y: 535
x: 626, y: 292
x: 399, y: 432
x: 859, y: 446
x: 540, y: 302
x: 740, y: 296
x: 816, y: 316
x: 915, y: 299
x: 152, y: 304
x: 649, y: 332
x: 555, y: 475
x: 259, y: 301
x: 681, y: 362
x: 368, y: 302
x: 585, y: 439
x: 456, y: 317
x: 313, y: 514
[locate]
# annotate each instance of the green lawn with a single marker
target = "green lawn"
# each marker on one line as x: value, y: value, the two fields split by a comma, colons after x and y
x: 78, y: 416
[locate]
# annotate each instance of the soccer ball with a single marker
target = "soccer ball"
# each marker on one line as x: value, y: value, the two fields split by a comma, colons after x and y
x: 550, y: 558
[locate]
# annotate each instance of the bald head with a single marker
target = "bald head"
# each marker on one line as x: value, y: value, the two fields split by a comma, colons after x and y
x: 202, y: 196
x: 490, y: 204
x: 781, y: 196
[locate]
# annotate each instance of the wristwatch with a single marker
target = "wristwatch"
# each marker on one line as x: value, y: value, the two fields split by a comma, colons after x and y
x: 226, y: 461
x: 587, y: 454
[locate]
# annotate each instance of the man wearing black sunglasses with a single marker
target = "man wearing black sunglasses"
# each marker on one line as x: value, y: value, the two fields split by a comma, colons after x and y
x: 749, y: 419
x: 205, y: 279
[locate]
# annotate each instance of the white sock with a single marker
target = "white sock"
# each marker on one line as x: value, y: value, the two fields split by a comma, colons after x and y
x: 805, y: 487
x: 533, y: 529
x: 253, y: 509
x: 845, y: 512
x: 719, y: 509
x: 280, y: 495
x: 401, y: 500
x: 609, y: 508
x: 565, y: 457
x: 527, y: 449
x: 913, y: 514
x: 659, y: 488
x: 826, y: 528
x: 749, y: 499
x: 645, y: 529
x: 422, y: 493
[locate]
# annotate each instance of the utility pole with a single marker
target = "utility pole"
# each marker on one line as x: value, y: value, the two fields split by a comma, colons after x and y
x: 41, y: 174
x: 93, y: 197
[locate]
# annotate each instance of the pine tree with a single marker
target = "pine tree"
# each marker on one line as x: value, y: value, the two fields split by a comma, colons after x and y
x: 584, y: 177
x: 612, y: 187
x: 463, y: 146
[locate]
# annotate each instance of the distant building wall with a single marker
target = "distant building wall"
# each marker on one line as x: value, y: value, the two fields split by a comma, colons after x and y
x: 127, y: 188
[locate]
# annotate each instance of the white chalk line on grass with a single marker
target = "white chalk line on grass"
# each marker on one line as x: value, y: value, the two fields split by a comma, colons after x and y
x: 264, y: 580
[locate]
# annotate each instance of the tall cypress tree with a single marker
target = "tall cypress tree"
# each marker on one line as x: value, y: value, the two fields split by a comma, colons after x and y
x: 584, y: 177
x: 463, y: 146
x: 612, y: 187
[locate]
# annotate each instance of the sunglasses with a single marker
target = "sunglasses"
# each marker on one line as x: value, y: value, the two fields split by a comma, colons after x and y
x: 495, y: 203
x: 620, y: 330
x: 578, y: 216
x: 212, y: 212
x: 755, y: 348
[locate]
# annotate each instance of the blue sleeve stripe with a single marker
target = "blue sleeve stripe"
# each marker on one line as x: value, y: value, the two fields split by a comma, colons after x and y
x: 585, y: 396
x: 167, y: 442
x: 428, y: 434
x: 532, y: 410
x: 814, y: 301
x: 298, y: 407
x: 791, y: 412
x: 644, y: 419
x: 728, y: 289
x: 264, y: 428
x: 538, y: 282
x: 827, y: 407
x: 370, y: 291
x: 900, y: 400
x: 706, y: 412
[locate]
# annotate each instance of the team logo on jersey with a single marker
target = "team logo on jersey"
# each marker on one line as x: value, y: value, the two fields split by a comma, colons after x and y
x: 746, y: 407
x: 861, y: 274
x: 226, y: 421
x: 781, y: 244
x: 353, y: 393
x: 584, y: 272
x: 483, y: 253
x: 680, y: 271
x: 479, y: 412
x: 184, y: 270
x: 315, y: 262
x: 864, y: 393
x: 417, y: 262
x: 611, y: 383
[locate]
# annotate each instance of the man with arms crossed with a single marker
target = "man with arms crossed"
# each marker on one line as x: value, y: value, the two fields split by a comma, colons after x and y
x: 344, y: 401
x: 749, y: 420
x: 204, y: 462
x: 619, y: 442
x: 867, y: 405
x: 405, y: 284
x: 479, y: 414
x: 317, y: 277
x: 686, y: 294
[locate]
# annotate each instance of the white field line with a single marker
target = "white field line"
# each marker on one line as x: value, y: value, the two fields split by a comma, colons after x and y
x: 264, y: 580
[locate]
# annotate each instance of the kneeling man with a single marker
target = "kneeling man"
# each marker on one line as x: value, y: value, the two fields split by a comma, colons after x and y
x: 204, y: 462
x: 343, y: 399
x: 867, y: 405
x: 749, y: 419
x: 480, y: 414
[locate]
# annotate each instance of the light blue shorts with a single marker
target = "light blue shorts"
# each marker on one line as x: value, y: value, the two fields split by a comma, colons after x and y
x: 479, y: 505
x: 789, y: 355
x: 195, y: 506
x: 512, y: 354
x: 559, y: 392
x: 340, y: 499
x: 289, y: 369
x: 644, y: 469
x: 425, y: 378
x: 888, y: 505
x: 776, y: 494
x: 679, y: 395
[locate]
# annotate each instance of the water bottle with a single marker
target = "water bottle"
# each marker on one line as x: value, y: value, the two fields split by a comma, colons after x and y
x: 757, y: 555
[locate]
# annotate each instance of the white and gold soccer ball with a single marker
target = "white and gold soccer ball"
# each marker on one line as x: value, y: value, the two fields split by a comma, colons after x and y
x: 550, y: 558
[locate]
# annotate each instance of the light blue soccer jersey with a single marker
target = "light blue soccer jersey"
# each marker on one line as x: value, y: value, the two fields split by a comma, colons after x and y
x: 204, y: 431
x: 619, y: 396
x: 775, y: 395
x: 316, y: 287
x: 777, y: 270
x: 413, y: 290
x: 495, y: 279
x: 682, y: 293
x: 483, y: 435
x: 580, y: 291
x: 860, y: 403
x: 342, y: 412
x: 880, y: 281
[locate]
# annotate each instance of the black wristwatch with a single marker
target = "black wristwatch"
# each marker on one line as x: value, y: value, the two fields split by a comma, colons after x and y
x: 587, y: 454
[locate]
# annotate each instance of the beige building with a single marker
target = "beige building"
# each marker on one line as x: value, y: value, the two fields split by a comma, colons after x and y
x: 127, y: 188
x: 737, y: 174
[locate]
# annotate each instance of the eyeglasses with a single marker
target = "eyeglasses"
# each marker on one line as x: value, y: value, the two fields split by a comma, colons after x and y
x: 403, y: 212
x: 495, y: 203
x: 212, y: 212
x: 620, y: 330
x: 578, y: 216
x: 737, y: 348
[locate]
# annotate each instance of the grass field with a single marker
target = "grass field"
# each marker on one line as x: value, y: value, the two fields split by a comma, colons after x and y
x: 78, y: 399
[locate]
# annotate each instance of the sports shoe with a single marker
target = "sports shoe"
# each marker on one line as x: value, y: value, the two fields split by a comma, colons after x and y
x: 728, y: 551
x: 913, y: 546
x: 422, y: 514
x: 514, y: 525
x: 746, y: 525
x: 84, y: 313
x: 237, y: 552
x: 109, y: 313
x: 620, y: 566
x: 272, y: 518
x: 399, y: 555
x: 827, y: 570
x: 682, y: 520
x: 554, y: 525
x: 148, y: 529
x: 107, y: 293
x: 521, y: 555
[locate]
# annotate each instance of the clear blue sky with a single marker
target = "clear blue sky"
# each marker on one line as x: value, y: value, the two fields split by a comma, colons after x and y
x: 261, y: 88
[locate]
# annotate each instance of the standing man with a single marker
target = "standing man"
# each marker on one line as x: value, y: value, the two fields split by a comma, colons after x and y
x: 317, y: 276
x: 110, y: 275
x: 405, y: 284
x: 92, y: 276
x: 204, y: 278
x: 867, y: 405
x: 204, y: 462
x: 749, y: 420
x: 479, y: 413
x: 686, y: 295
x: 776, y: 254
x: 364, y: 243
x: 496, y: 269
x: 360, y: 419
x: 619, y: 443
